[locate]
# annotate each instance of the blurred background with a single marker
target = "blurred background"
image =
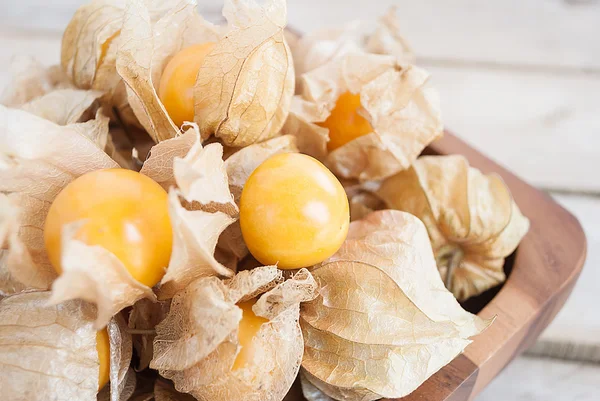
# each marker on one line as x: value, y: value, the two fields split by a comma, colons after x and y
x: 519, y: 80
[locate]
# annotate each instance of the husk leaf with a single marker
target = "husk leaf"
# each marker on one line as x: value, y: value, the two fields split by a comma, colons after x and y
x: 383, y: 321
x: 159, y: 165
x: 319, y: 47
x: 202, y: 184
x: 38, y: 158
x: 252, y: 68
x: 31, y: 80
x: 469, y: 216
x: 47, y: 352
x: 122, y: 377
x: 94, y: 274
x: 197, y: 343
x: 146, y: 46
x: 64, y: 106
x: 396, y: 99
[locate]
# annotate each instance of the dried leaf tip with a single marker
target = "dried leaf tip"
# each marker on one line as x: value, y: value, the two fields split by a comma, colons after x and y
x: 198, y: 344
x: 47, y: 349
x: 471, y: 218
x: 201, y: 207
x: 252, y: 67
x: 39, y: 159
x: 382, y: 309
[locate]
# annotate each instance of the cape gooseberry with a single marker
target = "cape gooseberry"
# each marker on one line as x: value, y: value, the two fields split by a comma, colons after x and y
x: 293, y: 212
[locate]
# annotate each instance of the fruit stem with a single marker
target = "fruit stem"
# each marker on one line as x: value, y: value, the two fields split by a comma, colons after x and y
x: 451, y: 256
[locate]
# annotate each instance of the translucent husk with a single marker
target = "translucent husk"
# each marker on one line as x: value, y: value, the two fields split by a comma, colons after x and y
x: 122, y: 378
x: 147, y: 44
x: 252, y: 67
x: 47, y: 349
x: 30, y: 79
x: 201, y: 207
x: 382, y: 310
x: 472, y: 220
x: 319, y: 47
x: 41, y: 158
x: 88, y: 52
x: 38, y: 158
x: 197, y: 344
x: 401, y: 107
x: 94, y: 274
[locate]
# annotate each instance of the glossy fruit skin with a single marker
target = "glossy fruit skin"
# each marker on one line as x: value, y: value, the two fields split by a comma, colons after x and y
x: 293, y: 212
x: 176, y: 88
x: 344, y: 122
x: 123, y: 211
x: 103, y: 348
x: 249, y: 326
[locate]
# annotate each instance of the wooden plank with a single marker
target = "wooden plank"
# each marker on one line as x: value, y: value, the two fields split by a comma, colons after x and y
x: 534, y: 379
x: 496, y: 32
x: 543, y: 126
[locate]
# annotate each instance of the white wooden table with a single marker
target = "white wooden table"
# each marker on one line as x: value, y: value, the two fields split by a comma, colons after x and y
x: 519, y: 80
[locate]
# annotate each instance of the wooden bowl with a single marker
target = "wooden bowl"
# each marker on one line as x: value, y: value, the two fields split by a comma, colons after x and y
x: 542, y: 273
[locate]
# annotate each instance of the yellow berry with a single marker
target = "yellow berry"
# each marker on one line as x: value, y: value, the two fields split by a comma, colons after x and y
x: 176, y: 88
x: 249, y: 326
x: 103, y: 348
x: 293, y: 212
x: 344, y: 122
x: 123, y: 211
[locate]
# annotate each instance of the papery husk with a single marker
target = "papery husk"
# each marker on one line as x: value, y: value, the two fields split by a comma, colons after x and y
x: 64, y: 106
x: 383, y: 321
x: 252, y: 69
x: 122, y: 377
x: 200, y: 208
x: 31, y: 80
x: 202, y: 179
x: 319, y: 47
x: 396, y: 99
x: 146, y: 46
x: 38, y: 158
x: 96, y: 275
x: 467, y: 214
x: 88, y: 53
x: 159, y: 165
x: 239, y: 166
x: 197, y: 343
x: 144, y: 317
x: 47, y: 352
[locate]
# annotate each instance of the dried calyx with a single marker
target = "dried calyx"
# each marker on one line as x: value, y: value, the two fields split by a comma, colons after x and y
x: 366, y: 116
x: 252, y: 47
x: 382, y: 309
x: 216, y: 345
x: 52, y: 350
x: 471, y: 218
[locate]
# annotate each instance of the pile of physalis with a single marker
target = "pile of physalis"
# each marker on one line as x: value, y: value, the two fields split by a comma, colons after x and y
x: 173, y: 222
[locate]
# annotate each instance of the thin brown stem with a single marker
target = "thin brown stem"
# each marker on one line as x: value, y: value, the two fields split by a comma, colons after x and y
x: 453, y: 264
